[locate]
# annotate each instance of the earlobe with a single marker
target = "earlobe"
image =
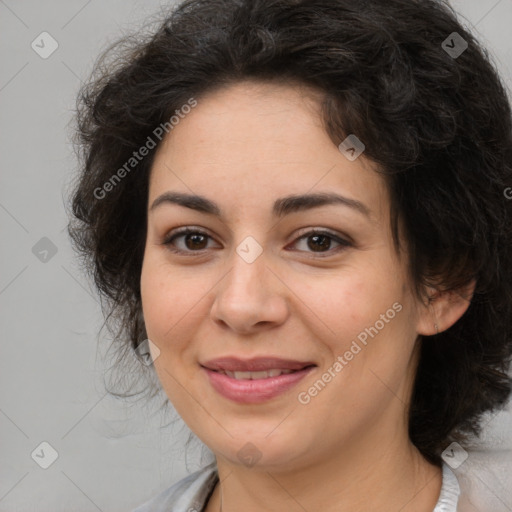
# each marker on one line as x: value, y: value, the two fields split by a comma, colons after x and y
x: 444, y: 309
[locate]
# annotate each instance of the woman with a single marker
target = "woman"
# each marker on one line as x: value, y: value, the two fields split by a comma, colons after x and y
x: 298, y: 209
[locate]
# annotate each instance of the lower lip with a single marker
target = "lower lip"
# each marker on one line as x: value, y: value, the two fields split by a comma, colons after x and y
x: 256, y: 391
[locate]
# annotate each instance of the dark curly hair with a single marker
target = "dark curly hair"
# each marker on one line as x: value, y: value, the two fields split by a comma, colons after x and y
x: 438, y: 126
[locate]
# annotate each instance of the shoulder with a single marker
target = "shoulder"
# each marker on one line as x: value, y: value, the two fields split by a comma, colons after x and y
x: 187, y: 495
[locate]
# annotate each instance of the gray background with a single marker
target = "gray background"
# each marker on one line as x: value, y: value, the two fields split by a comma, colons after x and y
x: 111, y: 455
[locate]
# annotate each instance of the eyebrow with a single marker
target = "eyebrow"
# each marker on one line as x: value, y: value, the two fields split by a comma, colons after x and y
x: 282, y: 206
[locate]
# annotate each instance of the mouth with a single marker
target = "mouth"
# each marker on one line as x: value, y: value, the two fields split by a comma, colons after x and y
x: 255, y: 380
x: 275, y: 372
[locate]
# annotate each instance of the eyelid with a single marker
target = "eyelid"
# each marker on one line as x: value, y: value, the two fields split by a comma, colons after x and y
x: 175, y: 233
x: 343, y: 241
x: 325, y: 231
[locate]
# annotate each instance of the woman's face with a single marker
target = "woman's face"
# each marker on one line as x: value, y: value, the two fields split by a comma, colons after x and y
x: 255, y: 289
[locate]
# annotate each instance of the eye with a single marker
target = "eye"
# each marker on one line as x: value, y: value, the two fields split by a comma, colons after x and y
x: 191, y: 240
x: 319, y: 241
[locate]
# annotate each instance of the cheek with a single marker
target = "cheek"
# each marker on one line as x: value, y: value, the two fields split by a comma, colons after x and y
x: 347, y: 303
x: 162, y: 299
x: 167, y: 309
x: 154, y: 296
x: 173, y: 303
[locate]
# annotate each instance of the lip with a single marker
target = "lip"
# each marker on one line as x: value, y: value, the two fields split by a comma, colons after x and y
x: 254, y: 391
x: 256, y: 364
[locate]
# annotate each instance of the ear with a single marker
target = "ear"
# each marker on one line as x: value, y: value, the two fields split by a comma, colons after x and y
x: 443, y: 309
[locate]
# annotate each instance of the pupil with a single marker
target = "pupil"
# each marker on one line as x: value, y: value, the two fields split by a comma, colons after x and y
x: 196, y: 241
x: 325, y: 244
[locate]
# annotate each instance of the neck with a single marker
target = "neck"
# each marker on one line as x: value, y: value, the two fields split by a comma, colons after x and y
x: 376, y: 476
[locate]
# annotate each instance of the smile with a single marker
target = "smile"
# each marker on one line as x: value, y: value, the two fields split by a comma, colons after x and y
x: 254, y: 381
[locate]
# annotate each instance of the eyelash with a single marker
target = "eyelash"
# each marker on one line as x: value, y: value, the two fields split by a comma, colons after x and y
x: 169, y: 241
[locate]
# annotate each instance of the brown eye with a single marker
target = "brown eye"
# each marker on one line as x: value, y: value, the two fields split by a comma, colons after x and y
x: 190, y: 240
x: 195, y: 241
x: 321, y: 242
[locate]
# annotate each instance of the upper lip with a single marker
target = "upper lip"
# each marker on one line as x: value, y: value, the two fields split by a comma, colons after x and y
x: 235, y: 364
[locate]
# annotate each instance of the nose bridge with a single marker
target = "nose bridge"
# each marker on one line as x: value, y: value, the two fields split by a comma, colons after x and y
x: 247, y: 275
x: 249, y: 295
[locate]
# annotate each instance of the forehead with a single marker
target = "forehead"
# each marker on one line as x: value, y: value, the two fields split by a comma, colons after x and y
x: 255, y: 141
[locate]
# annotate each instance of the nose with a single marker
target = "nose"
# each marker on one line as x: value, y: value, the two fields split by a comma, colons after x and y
x: 250, y: 298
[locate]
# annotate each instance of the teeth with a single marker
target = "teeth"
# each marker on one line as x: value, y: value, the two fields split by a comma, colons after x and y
x: 256, y: 375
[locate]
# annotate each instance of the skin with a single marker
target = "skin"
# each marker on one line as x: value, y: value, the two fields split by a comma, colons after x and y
x: 243, y: 147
